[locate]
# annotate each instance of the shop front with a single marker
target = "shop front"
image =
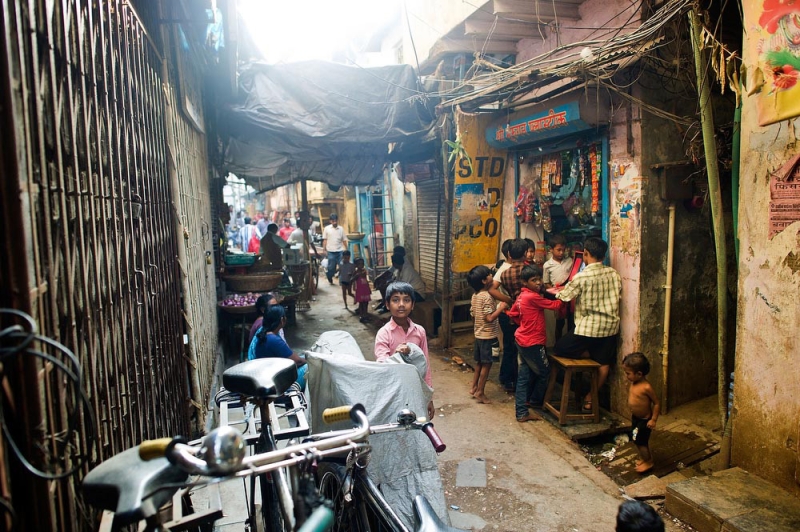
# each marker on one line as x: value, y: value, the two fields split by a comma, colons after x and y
x: 559, y: 153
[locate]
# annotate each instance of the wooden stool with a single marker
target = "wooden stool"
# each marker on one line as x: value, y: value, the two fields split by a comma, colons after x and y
x: 570, y: 366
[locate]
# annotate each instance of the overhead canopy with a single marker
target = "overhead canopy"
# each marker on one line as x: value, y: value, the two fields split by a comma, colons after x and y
x: 321, y: 121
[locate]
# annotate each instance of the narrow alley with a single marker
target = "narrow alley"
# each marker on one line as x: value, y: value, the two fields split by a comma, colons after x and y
x: 530, y: 475
x: 613, y: 184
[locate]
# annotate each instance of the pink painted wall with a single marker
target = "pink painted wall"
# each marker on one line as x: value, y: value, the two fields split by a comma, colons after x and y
x: 600, y: 19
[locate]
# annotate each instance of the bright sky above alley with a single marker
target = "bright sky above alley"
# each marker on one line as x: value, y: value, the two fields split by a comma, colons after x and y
x: 298, y: 30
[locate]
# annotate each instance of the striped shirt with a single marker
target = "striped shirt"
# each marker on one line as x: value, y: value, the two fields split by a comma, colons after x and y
x: 484, y: 304
x: 597, y: 289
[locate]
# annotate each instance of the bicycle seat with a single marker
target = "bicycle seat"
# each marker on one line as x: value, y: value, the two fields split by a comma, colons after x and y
x: 426, y: 518
x: 130, y: 487
x: 262, y: 378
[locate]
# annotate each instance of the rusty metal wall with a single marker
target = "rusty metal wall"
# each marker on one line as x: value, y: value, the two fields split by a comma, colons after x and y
x: 188, y: 158
x: 103, y: 213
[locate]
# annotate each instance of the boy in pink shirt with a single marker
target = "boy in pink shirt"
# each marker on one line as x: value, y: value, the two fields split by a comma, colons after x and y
x: 400, y: 331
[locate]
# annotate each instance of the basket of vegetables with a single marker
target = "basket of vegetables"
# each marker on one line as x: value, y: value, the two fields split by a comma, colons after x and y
x: 239, y: 303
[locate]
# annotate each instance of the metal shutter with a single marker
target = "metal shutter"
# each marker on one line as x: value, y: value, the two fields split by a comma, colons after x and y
x: 431, y: 232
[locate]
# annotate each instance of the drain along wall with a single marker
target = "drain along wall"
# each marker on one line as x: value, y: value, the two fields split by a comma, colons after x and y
x: 766, y: 404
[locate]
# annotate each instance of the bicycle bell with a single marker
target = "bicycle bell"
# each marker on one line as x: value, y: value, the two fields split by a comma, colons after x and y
x: 223, y: 449
x: 406, y: 417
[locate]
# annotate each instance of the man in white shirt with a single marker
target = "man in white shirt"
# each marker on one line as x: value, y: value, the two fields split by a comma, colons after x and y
x: 406, y: 273
x: 334, y: 243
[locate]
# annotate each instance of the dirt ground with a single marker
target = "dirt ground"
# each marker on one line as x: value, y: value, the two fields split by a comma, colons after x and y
x: 537, y: 479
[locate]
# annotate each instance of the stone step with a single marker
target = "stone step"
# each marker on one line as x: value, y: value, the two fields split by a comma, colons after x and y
x: 733, y: 501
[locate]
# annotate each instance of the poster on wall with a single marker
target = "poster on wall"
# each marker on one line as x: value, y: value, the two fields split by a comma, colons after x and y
x: 784, y: 196
x: 479, y: 173
x: 625, y: 215
x: 773, y: 36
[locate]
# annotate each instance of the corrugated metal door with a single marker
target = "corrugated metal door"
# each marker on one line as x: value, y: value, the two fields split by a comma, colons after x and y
x: 92, y: 257
x: 431, y: 232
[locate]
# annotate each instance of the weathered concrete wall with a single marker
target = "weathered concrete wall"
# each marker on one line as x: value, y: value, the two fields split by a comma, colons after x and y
x: 429, y: 20
x: 766, y: 405
x: 594, y: 14
x: 693, y: 328
x: 625, y: 141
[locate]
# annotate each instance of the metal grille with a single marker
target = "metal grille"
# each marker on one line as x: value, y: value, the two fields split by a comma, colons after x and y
x: 431, y: 232
x: 98, y: 245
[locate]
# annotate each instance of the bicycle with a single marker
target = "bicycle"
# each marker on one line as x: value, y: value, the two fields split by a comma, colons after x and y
x: 135, y: 490
x: 357, y: 501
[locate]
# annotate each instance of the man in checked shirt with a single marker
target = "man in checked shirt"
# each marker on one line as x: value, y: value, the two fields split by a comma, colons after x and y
x: 597, y: 289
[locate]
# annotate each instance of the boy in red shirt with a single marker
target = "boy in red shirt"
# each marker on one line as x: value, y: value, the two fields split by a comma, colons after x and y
x: 531, y: 337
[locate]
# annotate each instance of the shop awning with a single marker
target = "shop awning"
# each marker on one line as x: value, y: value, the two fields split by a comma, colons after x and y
x: 320, y: 121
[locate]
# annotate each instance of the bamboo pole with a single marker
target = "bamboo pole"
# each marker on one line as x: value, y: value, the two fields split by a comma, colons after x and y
x: 715, y: 196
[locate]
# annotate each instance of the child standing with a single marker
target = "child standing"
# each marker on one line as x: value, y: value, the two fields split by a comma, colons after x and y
x: 531, y: 337
x: 530, y: 251
x: 485, y: 310
x: 644, y: 405
x: 556, y: 273
x: 400, y: 330
x: 363, y: 292
x: 346, y: 269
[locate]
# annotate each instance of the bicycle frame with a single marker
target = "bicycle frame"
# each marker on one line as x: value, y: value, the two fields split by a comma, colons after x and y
x: 280, y: 477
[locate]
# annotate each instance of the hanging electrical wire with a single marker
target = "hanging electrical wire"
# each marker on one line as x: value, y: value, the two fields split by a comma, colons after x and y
x: 61, y: 454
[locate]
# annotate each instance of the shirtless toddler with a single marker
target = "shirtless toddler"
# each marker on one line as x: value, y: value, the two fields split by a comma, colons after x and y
x: 644, y: 405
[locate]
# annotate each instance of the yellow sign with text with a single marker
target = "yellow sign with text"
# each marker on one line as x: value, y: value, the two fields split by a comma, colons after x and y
x: 480, y: 172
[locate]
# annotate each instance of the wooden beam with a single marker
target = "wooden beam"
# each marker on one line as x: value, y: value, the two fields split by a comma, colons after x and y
x: 503, y: 30
x: 537, y: 10
x: 468, y: 46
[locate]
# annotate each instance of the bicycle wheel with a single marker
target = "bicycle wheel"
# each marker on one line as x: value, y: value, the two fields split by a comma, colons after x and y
x: 346, y: 515
x: 271, y: 517
x: 315, y: 274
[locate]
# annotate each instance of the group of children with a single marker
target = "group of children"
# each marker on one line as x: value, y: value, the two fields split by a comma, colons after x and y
x: 514, y: 300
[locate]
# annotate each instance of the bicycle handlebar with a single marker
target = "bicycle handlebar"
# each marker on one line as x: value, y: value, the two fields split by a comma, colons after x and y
x: 204, y: 461
x: 432, y: 435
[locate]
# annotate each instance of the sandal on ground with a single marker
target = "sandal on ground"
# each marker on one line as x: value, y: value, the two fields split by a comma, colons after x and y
x: 587, y: 406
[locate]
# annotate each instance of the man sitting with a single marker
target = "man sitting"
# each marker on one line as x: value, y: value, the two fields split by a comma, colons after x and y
x: 405, y: 272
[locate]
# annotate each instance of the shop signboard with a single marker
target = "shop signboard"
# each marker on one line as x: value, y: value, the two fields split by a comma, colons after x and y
x: 479, y: 172
x: 551, y: 123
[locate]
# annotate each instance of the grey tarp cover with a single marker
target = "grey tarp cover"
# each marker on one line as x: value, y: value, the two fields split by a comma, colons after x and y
x: 320, y: 121
x: 403, y: 464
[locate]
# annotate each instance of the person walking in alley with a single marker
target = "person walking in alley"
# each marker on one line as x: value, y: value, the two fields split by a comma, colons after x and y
x: 644, y: 405
x: 485, y: 310
x: 346, y: 271
x: 597, y: 290
x: 334, y: 243
x: 286, y: 231
x: 246, y: 233
x: 363, y: 293
x: 531, y: 338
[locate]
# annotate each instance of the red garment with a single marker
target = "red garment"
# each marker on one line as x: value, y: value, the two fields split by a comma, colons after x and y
x: 254, y: 246
x: 285, y: 232
x: 528, y: 312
